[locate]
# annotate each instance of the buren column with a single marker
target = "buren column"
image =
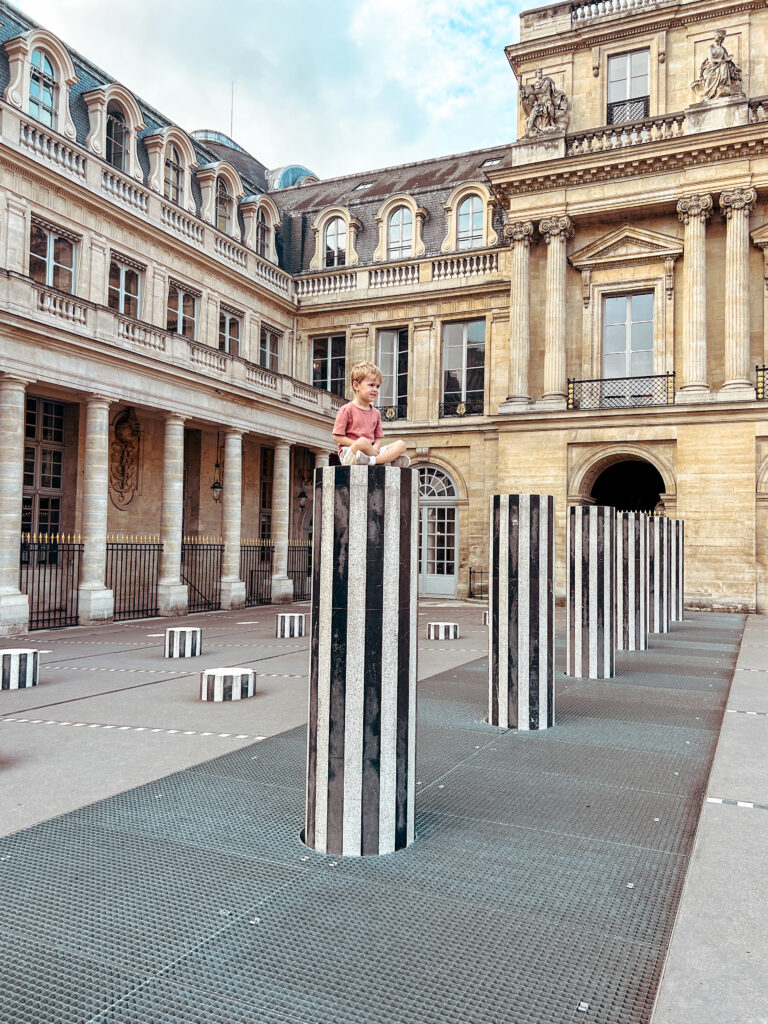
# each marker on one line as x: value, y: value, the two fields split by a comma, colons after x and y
x: 676, y: 570
x: 555, y: 231
x: 591, y: 591
x: 693, y: 212
x: 521, y: 606
x: 658, y: 575
x: 631, y: 581
x: 362, y: 688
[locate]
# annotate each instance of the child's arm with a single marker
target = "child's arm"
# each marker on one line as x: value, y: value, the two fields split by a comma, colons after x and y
x: 342, y: 440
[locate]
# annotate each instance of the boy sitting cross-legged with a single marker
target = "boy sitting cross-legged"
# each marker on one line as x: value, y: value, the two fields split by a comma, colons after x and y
x: 357, y: 429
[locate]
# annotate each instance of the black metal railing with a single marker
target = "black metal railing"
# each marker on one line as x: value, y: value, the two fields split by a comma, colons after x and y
x: 621, y: 392
x: 628, y: 110
x: 394, y: 412
x: 478, y: 582
x: 300, y: 568
x: 133, y: 568
x: 760, y: 381
x: 49, y: 574
x: 470, y: 407
x: 256, y: 558
x: 201, y: 571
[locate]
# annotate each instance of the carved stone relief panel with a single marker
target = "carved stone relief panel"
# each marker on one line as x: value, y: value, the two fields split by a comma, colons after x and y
x: 125, y: 458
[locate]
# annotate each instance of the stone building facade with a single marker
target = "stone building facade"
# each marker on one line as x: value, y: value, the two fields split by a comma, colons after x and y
x: 580, y: 312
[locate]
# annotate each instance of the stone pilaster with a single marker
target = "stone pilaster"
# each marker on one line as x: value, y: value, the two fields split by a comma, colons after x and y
x: 693, y: 211
x: 96, y: 602
x: 282, y: 585
x: 172, y: 594
x: 736, y: 206
x: 232, y: 587
x: 520, y: 235
x: 555, y: 231
x: 14, y: 606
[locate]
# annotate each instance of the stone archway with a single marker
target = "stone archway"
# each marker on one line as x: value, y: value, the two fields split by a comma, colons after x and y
x: 625, y: 476
x: 631, y: 485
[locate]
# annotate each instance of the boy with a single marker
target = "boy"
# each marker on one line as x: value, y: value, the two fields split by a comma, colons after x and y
x: 357, y: 430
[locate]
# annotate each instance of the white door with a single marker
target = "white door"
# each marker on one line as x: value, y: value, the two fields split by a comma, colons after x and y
x: 438, y: 534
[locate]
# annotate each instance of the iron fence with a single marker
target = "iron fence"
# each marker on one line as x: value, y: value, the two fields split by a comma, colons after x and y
x: 621, y: 392
x: 455, y: 407
x: 133, y: 567
x: 201, y: 570
x: 49, y: 574
x: 256, y: 557
x: 394, y: 412
x: 760, y: 381
x: 628, y: 110
x: 300, y: 568
x: 478, y: 582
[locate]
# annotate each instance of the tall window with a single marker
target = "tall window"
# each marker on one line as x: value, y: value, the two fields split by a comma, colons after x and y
x: 628, y: 88
x: 42, y: 89
x: 329, y: 364
x: 51, y: 258
x: 265, y: 496
x: 43, y: 466
x: 262, y: 237
x: 174, y: 171
x: 400, y: 234
x: 269, y: 349
x: 335, y: 243
x: 393, y: 362
x: 124, y: 286
x: 463, y: 368
x: 628, y: 335
x: 469, y: 230
x: 230, y: 331
x: 117, y: 137
x: 223, y: 206
x: 182, y: 312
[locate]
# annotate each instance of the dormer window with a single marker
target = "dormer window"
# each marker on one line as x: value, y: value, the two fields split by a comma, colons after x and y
x: 42, y: 89
x: 335, y: 243
x: 117, y: 137
x: 174, y: 175
x: 628, y: 87
x: 469, y: 230
x: 223, y: 206
x: 400, y: 234
x: 262, y: 241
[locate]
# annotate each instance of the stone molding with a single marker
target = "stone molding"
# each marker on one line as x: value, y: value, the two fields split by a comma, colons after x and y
x: 451, y: 207
x: 318, y: 227
x: 418, y: 217
x: 694, y: 207
x: 627, y: 245
x: 519, y: 232
x: 556, y: 227
x: 737, y: 200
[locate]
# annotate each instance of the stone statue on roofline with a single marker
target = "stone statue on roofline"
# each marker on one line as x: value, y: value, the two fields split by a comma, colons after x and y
x: 545, y: 106
x: 718, y: 75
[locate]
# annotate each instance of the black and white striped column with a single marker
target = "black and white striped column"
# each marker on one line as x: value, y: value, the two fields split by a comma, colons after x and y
x: 18, y: 668
x: 591, y: 591
x: 631, y: 581
x: 676, y: 570
x: 658, y: 574
x: 521, y: 611
x: 361, y: 756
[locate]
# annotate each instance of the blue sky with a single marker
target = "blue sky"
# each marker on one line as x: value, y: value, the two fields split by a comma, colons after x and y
x: 340, y: 87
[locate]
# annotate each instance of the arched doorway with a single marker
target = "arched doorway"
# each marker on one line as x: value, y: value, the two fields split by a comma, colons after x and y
x: 631, y: 485
x: 438, y: 533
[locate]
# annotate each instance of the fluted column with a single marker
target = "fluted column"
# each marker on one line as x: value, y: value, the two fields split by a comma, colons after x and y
x: 693, y: 211
x: 96, y: 602
x: 282, y: 586
x: 556, y: 231
x: 520, y: 236
x: 172, y: 594
x: 321, y: 459
x: 14, y: 606
x: 232, y: 587
x: 736, y: 205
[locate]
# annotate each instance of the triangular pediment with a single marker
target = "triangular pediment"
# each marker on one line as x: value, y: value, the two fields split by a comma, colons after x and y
x: 627, y: 245
x: 760, y: 236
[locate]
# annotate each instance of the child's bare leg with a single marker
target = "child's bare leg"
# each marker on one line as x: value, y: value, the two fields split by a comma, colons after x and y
x: 390, y: 453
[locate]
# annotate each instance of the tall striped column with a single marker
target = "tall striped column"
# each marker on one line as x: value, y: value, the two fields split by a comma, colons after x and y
x: 591, y: 591
x: 676, y: 570
x: 631, y: 581
x: 361, y: 756
x: 521, y: 605
x: 658, y: 574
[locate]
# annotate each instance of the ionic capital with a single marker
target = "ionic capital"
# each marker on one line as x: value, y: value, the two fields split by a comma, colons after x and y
x: 736, y: 200
x: 556, y: 227
x: 519, y: 233
x: 694, y: 208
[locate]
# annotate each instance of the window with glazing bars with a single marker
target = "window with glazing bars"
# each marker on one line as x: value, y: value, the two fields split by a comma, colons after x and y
x: 393, y: 363
x: 42, y: 89
x: 329, y: 363
x: 628, y: 87
x: 463, y: 368
x: 51, y: 258
x: 182, y: 312
x: 400, y: 234
x: 230, y: 331
x: 269, y: 348
x: 117, y: 137
x: 469, y: 232
x: 124, y: 290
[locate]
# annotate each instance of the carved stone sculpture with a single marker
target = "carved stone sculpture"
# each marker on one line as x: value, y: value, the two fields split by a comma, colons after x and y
x: 125, y: 459
x: 545, y: 106
x: 718, y: 75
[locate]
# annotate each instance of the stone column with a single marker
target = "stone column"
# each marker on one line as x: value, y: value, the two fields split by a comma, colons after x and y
x: 14, y: 606
x: 282, y: 585
x: 676, y: 570
x: 172, y: 594
x: 321, y: 459
x: 362, y: 685
x: 736, y: 205
x: 520, y: 235
x: 693, y: 211
x: 232, y: 587
x: 631, y: 581
x: 658, y: 575
x: 521, y: 612
x: 591, y: 592
x: 96, y: 602
x: 556, y: 231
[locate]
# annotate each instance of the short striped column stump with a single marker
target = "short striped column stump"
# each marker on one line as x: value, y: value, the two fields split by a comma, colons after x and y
x: 183, y: 641
x: 485, y: 618
x: 227, y: 684
x: 290, y: 624
x: 442, y: 631
x: 591, y: 592
x: 18, y: 669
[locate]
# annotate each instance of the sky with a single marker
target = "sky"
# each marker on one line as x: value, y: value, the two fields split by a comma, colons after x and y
x: 340, y: 87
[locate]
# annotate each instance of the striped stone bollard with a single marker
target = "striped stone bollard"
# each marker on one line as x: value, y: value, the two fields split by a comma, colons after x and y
x: 676, y: 570
x: 18, y: 668
x: 290, y: 624
x: 183, y: 641
x: 521, y: 612
x: 442, y: 631
x: 485, y: 618
x: 658, y: 574
x: 362, y: 689
x: 220, y: 684
x: 591, y: 592
x: 631, y: 581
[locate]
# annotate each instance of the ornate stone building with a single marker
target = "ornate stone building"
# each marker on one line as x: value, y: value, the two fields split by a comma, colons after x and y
x: 580, y: 312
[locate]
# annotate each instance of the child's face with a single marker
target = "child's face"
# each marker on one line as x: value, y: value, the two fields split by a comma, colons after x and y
x: 367, y: 389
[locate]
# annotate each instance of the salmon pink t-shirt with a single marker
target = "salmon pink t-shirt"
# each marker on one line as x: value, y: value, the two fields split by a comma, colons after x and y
x: 354, y: 422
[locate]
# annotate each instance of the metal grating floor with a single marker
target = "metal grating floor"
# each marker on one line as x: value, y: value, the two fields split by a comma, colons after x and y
x: 541, y: 889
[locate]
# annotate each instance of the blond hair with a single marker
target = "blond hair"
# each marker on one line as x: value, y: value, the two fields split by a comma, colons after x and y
x: 362, y: 370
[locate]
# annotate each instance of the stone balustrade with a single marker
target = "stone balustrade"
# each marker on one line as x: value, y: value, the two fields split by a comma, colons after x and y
x: 64, y: 307
x: 124, y: 191
x: 624, y: 136
x: 388, y: 277
x: 230, y: 251
x: 468, y: 265
x: 589, y: 10
x: 48, y: 146
x: 325, y: 284
x: 182, y: 225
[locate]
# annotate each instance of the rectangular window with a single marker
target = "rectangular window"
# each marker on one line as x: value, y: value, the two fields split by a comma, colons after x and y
x: 628, y: 87
x: 393, y: 362
x: 463, y: 368
x: 269, y: 349
x: 51, y: 258
x: 182, y: 312
x: 43, y: 466
x: 124, y: 289
x: 265, y: 498
x: 628, y: 335
x: 230, y: 331
x: 329, y: 364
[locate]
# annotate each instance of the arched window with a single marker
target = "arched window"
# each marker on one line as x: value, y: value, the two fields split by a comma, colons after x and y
x: 470, y: 223
x: 336, y: 243
x: 262, y: 239
x: 223, y: 206
x: 117, y: 136
x: 174, y: 175
x: 42, y: 89
x: 435, y: 483
x: 400, y: 234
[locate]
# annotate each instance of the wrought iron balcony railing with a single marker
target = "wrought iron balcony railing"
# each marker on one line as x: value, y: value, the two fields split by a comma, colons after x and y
x: 628, y: 110
x: 761, y: 379
x: 394, y: 412
x: 621, y: 392
x: 469, y: 407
